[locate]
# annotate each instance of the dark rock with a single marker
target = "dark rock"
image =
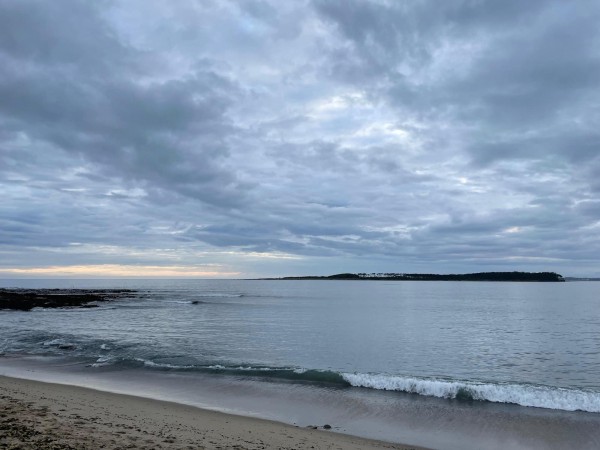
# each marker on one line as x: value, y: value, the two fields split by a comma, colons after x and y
x: 67, y: 346
x: 27, y: 299
x: 327, y: 427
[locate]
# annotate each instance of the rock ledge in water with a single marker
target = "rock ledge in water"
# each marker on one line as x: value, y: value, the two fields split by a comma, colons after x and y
x: 27, y: 299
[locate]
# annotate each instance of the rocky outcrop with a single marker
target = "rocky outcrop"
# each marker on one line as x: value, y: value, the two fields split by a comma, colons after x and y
x: 26, y: 299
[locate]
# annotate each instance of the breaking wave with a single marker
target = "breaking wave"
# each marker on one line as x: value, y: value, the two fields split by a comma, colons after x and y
x: 124, y: 355
x: 511, y: 393
x: 519, y: 394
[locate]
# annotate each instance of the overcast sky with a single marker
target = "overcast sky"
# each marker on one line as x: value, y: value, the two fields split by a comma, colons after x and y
x: 266, y: 138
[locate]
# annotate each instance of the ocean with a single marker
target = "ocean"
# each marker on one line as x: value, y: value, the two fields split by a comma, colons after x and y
x: 439, y: 364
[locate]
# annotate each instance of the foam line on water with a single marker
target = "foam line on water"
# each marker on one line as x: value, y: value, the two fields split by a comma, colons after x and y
x: 520, y: 394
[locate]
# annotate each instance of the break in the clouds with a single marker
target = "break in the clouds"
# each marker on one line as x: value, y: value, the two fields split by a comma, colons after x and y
x: 215, y: 138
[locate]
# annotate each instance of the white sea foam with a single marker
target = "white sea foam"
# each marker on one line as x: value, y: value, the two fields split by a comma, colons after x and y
x: 520, y: 394
x: 103, y: 361
x: 149, y: 363
x: 242, y: 368
x: 59, y: 343
x: 219, y: 295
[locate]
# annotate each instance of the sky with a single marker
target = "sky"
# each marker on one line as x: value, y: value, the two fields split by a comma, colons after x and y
x: 225, y: 139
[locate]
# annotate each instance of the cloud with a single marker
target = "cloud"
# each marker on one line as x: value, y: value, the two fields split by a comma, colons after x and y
x: 96, y: 99
x: 331, y: 135
x: 508, y: 73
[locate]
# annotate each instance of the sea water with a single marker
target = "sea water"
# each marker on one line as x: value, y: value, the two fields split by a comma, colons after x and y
x: 389, y: 352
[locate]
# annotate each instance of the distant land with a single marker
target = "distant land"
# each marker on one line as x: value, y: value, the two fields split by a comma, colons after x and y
x: 481, y: 276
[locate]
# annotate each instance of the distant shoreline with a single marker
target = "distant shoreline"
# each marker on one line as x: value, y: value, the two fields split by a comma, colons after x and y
x: 551, y: 277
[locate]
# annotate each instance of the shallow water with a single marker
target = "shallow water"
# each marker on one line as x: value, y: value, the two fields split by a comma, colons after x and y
x: 391, y: 416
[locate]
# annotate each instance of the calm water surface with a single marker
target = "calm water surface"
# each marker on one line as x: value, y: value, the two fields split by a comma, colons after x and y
x: 534, y: 344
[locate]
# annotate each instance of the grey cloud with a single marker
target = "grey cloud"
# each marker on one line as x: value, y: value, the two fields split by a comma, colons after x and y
x: 591, y: 171
x: 386, y: 35
x: 538, y: 60
x: 589, y: 207
x: 523, y: 88
x: 169, y: 133
x: 525, y: 80
x: 51, y: 33
x: 567, y: 146
x: 351, y: 134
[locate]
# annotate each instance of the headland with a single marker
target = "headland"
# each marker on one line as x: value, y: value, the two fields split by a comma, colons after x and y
x: 479, y: 276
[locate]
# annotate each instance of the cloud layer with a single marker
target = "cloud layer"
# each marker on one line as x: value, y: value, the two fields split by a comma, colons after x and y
x: 310, y: 137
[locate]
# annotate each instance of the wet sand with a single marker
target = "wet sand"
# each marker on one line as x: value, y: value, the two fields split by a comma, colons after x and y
x: 37, y: 415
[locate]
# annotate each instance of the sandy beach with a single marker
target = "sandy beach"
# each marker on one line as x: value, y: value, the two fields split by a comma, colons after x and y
x: 36, y: 415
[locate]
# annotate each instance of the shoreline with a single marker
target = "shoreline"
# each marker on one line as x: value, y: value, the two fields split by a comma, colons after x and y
x: 42, y: 415
x: 374, y: 419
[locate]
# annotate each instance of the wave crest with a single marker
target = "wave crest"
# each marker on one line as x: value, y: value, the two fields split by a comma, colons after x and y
x: 520, y: 394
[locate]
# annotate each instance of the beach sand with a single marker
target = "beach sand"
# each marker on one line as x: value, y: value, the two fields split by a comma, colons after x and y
x: 37, y: 415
